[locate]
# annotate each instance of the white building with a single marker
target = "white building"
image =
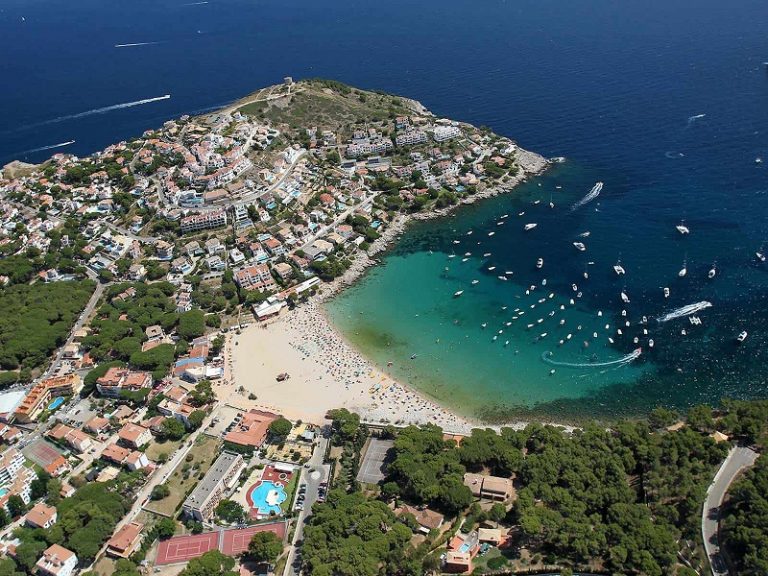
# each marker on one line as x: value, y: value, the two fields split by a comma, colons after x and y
x: 56, y: 561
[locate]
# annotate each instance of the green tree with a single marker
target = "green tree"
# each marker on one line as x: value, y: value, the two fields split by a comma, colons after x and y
x: 265, y: 547
x: 16, y: 506
x: 165, y: 528
x: 173, y: 429
x: 191, y: 324
x: 280, y: 428
x: 196, y: 419
x: 230, y: 511
x: 159, y: 492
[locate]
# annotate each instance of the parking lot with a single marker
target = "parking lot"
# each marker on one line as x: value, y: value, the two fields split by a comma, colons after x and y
x: 225, y: 417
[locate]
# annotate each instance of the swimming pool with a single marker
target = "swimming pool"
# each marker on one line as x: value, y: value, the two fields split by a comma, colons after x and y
x: 266, y: 497
x: 3, y: 492
x: 56, y: 403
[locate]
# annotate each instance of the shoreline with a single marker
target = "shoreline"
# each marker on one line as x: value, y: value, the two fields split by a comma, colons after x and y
x: 327, y: 371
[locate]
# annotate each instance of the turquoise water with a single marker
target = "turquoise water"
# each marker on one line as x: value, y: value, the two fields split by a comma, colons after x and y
x: 258, y: 497
x: 3, y: 492
x: 407, y: 307
x: 55, y: 403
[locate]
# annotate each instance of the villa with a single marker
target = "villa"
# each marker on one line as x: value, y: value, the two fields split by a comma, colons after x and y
x: 56, y: 561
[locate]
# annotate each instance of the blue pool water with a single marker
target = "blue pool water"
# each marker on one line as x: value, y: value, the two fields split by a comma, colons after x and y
x: 56, y: 403
x: 259, y: 497
x: 3, y: 492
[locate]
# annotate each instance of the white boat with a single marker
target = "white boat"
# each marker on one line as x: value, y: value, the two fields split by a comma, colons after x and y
x: 539, y: 262
x: 521, y: 213
x: 484, y: 324
x: 486, y: 255
x: 574, y: 287
x: 509, y: 272
x: 585, y: 234
x: 456, y: 242
x: 619, y: 269
x: 760, y: 256
x: 683, y: 229
x: 491, y: 233
x: 683, y: 270
x: 530, y: 226
x: 491, y: 268
x: 502, y: 278
x: 624, y: 297
x: 579, y: 246
x: 741, y: 337
x: 650, y: 343
x: 551, y: 204
x: 468, y: 254
x: 458, y: 293
x: 536, y: 202
x: 712, y: 272
x: 666, y: 292
x: 475, y: 282
x: 464, y: 259
x: 758, y: 160
x: 451, y: 255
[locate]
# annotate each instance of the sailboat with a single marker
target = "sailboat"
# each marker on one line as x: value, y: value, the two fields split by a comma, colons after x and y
x: 619, y: 269
x: 683, y: 270
x: 683, y: 229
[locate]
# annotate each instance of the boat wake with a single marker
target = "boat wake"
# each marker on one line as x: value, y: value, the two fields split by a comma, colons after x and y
x: 692, y: 119
x: 594, y: 193
x: 685, y: 311
x: 136, y: 44
x: 51, y: 147
x: 103, y: 110
x: 547, y: 357
x: 672, y: 155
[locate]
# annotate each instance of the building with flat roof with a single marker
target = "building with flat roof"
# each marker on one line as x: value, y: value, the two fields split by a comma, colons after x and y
x: 11, y: 461
x: 220, y: 478
x: 56, y: 561
x: 125, y: 541
x: 491, y: 487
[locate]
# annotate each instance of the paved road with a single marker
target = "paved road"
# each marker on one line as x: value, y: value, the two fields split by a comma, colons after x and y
x: 86, y: 313
x: 738, y: 460
x: 317, y: 472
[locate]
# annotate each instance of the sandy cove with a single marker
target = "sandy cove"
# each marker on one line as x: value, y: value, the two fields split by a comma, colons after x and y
x: 325, y: 371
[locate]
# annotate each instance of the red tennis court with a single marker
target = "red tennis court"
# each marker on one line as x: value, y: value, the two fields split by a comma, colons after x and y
x: 231, y: 542
x: 236, y: 541
x: 184, y: 548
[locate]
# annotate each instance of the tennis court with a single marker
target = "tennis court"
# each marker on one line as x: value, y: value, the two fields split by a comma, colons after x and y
x: 372, y: 467
x: 41, y: 452
x: 231, y: 542
x: 184, y: 548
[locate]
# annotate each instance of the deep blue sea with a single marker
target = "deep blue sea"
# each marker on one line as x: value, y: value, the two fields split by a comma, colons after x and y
x: 665, y: 102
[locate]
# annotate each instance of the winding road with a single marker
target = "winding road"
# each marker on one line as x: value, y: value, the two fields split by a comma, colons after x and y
x: 738, y: 460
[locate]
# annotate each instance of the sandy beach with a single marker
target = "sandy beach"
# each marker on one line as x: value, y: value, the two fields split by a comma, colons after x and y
x: 325, y: 373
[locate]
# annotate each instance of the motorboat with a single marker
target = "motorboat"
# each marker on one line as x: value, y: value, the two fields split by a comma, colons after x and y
x: 683, y: 229
x: 650, y: 343
x: 458, y: 293
x: 475, y: 282
x: 741, y: 337
x: 539, y: 262
x: 760, y: 256
x: 491, y: 268
x: 579, y: 246
x: 619, y: 269
x: 712, y: 272
x: 585, y: 234
x: 666, y: 292
x: 683, y: 270
x: 491, y: 233
x: 624, y: 297
x: 456, y: 242
x: 530, y: 226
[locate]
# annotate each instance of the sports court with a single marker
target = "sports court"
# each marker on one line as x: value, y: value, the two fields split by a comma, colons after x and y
x: 372, y: 467
x: 41, y: 452
x: 236, y: 541
x: 184, y: 548
x: 231, y: 542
